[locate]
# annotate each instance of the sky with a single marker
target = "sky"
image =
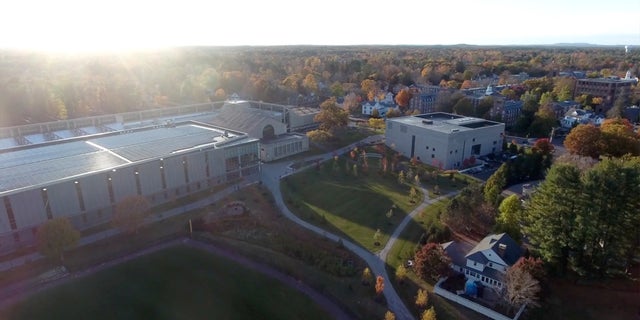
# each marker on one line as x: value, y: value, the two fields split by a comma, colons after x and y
x: 89, y: 25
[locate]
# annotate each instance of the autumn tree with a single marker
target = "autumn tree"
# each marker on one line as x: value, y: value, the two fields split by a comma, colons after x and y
x: 310, y: 83
x: 403, y: 97
x: 429, y: 314
x: 366, y: 276
x: 431, y: 262
x: 584, y: 140
x: 414, y: 195
x: 375, y: 113
x: 351, y: 103
x: 401, y: 273
x: 370, y: 88
x: 533, y: 266
x: 510, y: 216
x: 401, y: 177
x: 379, y: 285
x: 619, y: 138
x: 376, y: 123
x: 130, y: 213
x: 422, y: 298
x: 389, y: 316
x: 55, y: 236
x: 392, y: 113
x: 521, y: 288
x: 495, y: 184
x: 544, y: 146
x: 331, y: 117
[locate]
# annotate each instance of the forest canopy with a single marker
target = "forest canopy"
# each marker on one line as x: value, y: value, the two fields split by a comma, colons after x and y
x: 38, y: 87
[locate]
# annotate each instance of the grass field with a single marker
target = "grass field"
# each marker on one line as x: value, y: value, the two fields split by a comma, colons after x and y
x: 176, y: 283
x: 343, y: 203
x: 404, y: 249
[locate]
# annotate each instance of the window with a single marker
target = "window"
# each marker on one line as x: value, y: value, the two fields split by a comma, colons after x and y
x: 427, y: 147
x: 433, y: 149
x: 473, y: 140
x: 433, y: 156
x: 494, y: 142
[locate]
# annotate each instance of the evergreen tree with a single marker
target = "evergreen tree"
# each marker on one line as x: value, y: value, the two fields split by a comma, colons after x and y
x: 550, y: 215
x: 609, y: 219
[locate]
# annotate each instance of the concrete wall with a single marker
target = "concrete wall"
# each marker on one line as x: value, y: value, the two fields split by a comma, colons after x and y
x: 28, y: 208
x: 95, y: 192
x: 63, y: 199
x: 445, y: 149
x: 5, y: 225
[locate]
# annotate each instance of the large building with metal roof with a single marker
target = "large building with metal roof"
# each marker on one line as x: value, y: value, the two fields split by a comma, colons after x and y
x: 83, y: 178
x: 443, y: 140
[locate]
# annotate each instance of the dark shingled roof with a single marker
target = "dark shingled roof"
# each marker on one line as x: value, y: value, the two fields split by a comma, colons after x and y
x: 511, y: 253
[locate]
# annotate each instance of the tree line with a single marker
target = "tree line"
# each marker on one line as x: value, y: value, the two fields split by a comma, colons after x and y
x: 36, y: 87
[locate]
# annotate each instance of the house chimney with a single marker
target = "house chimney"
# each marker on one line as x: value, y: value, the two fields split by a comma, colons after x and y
x: 502, y: 248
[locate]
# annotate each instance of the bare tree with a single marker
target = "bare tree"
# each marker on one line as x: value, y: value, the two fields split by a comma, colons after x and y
x: 521, y: 288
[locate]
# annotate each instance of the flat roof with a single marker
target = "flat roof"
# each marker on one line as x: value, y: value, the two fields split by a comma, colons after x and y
x: 47, y: 163
x: 445, y: 122
x: 607, y: 80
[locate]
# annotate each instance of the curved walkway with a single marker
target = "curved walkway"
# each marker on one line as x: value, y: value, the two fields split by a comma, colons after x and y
x: 426, y: 201
x: 271, y: 175
x: 9, y: 297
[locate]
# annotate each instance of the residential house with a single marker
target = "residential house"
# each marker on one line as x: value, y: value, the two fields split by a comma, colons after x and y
x: 575, y: 116
x: 488, y: 261
x: 562, y: 107
x: 382, y: 106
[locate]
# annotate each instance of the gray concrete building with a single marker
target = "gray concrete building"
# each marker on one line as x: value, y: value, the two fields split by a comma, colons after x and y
x: 442, y: 139
x: 83, y: 178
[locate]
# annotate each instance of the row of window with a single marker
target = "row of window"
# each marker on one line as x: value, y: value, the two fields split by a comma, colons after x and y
x: 482, y: 278
x: 288, y: 149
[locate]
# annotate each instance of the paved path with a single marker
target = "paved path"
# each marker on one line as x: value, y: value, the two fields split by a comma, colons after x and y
x: 426, y: 201
x: 271, y: 175
x: 12, y: 294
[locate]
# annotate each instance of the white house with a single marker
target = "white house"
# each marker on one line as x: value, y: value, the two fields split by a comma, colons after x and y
x: 488, y: 261
x: 382, y: 106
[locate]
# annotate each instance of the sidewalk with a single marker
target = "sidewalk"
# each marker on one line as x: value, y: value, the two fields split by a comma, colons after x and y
x: 19, y: 261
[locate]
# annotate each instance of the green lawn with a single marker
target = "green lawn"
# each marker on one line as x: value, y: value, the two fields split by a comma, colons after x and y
x: 353, y: 206
x: 404, y: 249
x: 176, y: 283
